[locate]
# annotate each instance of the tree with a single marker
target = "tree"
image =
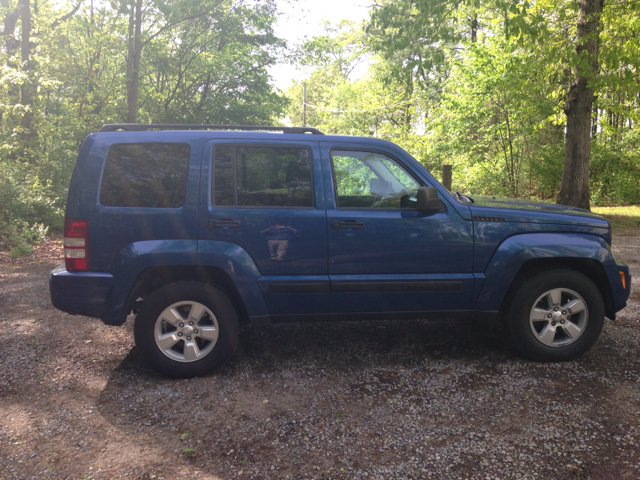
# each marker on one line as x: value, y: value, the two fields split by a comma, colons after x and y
x: 436, y: 36
x: 578, y: 107
x: 63, y: 74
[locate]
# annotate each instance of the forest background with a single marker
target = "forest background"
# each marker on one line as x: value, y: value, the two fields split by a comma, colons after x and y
x: 490, y: 87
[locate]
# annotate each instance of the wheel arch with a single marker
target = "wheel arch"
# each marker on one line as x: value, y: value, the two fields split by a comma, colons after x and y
x: 145, y: 266
x: 590, y: 268
x: 520, y: 256
x: 153, y: 278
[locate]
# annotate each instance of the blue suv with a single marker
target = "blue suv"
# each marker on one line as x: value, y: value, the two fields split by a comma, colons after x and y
x: 198, y: 229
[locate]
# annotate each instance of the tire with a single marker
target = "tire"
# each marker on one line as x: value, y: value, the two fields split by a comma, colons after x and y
x: 556, y: 315
x: 186, y: 329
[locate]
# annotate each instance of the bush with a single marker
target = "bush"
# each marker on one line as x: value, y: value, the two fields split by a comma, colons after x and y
x: 614, y: 171
x: 27, y: 209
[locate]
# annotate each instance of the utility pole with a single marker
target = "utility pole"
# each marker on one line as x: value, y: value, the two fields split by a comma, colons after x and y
x: 304, y: 104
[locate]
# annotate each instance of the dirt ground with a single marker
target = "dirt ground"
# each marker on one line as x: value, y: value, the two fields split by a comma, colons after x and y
x: 412, y: 399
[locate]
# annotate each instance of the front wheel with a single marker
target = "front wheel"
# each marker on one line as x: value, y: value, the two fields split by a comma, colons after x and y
x: 556, y: 315
x: 186, y: 329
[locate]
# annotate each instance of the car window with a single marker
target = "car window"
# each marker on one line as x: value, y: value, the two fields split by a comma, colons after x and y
x: 366, y: 179
x: 247, y: 176
x: 145, y: 175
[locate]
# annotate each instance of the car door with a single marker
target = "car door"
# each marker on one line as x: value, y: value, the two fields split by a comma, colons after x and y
x: 267, y: 198
x: 384, y: 256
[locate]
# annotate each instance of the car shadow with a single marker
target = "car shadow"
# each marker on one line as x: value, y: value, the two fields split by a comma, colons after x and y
x: 348, y: 343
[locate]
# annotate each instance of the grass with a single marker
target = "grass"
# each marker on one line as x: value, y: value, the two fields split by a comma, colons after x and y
x: 624, y: 220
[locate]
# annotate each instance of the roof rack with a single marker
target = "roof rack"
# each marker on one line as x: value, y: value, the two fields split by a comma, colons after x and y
x: 138, y: 127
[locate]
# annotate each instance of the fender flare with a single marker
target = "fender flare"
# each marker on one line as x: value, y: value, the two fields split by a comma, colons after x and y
x: 240, y: 267
x: 132, y: 260
x: 137, y: 257
x: 515, y: 251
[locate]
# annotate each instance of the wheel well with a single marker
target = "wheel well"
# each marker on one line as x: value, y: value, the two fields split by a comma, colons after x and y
x: 151, y: 279
x: 590, y: 268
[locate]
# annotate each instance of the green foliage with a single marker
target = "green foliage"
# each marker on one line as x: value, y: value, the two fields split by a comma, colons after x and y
x: 482, y: 86
x: 24, y: 204
x: 493, y: 118
x: 615, y: 171
x: 202, y: 62
x: 477, y: 85
x: 20, y: 250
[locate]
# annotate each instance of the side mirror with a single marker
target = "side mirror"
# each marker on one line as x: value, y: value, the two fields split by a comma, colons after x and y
x: 429, y: 201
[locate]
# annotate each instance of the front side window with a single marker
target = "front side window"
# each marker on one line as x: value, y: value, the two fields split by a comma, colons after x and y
x: 145, y: 175
x: 262, y: 176
x: 365, y: 179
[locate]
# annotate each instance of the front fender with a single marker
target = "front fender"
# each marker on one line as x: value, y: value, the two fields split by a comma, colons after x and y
x: 512, y: 254
x: 132, y: 260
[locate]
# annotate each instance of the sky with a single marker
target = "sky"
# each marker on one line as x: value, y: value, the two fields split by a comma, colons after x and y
x: 302, y: 18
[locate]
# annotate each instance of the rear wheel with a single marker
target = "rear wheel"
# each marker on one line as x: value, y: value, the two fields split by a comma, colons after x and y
x: 186, y: 329
x: 556, y: 315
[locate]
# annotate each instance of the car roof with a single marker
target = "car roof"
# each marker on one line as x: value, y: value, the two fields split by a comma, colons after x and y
x: 111, y: 134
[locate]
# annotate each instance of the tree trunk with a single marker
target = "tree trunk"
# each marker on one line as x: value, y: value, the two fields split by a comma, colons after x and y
x: 594, y: 119
x: 474, y: 28
x: 574, y: 190
x: 11, y: 45
x: 27, y: 88
x: 133, y: 61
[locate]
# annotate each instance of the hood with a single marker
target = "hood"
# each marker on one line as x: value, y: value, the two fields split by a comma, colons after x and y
x: 513, y: 210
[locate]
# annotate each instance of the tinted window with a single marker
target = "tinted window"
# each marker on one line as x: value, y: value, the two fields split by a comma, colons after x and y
x: 262, y: 177
x: 145, y: 175
x: 225, y: 190
x: 371, y: 180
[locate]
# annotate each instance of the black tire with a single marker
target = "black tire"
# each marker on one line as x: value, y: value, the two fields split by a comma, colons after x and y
x: 218, y: 319
x: 570, y: 331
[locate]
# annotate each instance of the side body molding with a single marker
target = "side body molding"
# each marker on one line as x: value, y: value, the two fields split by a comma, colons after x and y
x: 518, y: 249
x: 132, y: 260
x: 241, y: 268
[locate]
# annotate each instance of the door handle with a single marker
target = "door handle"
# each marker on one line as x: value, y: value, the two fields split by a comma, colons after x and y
x: 350, y: 224
x: 227, y: 222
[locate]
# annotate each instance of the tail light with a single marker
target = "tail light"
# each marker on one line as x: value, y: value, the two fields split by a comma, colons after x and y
x: 76, y: 244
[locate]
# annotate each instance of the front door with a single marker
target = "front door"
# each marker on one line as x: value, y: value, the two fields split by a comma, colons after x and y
x: 384, y: 256
x: 268, y: 200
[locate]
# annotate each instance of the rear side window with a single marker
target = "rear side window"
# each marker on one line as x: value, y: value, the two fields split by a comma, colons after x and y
x: 145, y: 175
x: 262, y: 177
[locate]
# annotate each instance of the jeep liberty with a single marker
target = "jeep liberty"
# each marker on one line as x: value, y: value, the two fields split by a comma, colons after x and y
x: 199, y: 229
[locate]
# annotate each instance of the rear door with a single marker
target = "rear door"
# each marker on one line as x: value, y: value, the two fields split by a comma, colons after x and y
x: 267, y: 198
x: 384, y: 256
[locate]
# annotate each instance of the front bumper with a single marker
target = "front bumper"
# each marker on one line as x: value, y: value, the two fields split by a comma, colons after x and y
x: 79, y: 293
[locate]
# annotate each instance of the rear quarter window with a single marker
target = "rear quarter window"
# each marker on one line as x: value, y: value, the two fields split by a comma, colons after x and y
x: 145, y: 175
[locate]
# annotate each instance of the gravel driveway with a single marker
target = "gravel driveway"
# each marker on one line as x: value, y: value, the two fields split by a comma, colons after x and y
x: 411, y: 399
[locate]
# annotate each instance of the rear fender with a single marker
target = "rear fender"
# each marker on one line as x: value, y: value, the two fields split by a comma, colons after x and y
x: 240, y: 267
x: 137, y: 257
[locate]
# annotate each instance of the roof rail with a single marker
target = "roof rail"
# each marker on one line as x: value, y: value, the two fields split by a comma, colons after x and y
x: 138, y: 127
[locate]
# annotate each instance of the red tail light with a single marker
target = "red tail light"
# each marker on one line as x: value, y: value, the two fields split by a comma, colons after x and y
x: 76, y: 244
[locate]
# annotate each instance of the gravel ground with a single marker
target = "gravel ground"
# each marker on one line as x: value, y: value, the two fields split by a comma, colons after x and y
x: 379, y: 400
